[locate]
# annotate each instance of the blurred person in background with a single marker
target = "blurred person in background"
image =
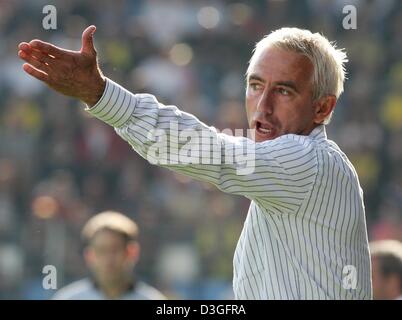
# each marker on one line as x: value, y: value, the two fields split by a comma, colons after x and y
x: 386, y: 259
x: 111, y: 253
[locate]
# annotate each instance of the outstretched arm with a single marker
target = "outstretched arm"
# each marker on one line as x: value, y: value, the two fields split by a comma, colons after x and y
x: 72, y: 73
x: 277, y: 172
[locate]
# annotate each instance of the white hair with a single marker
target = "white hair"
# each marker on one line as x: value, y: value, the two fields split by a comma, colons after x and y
x: 328, y: 61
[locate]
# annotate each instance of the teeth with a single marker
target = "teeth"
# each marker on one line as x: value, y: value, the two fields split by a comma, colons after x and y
x: 263, y: 130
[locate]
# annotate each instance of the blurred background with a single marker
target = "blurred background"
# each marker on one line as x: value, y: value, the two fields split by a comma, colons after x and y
x: 58, y: 166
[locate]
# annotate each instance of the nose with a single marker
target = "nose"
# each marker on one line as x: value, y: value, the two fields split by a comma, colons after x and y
x: 265, y: 104
x: 265, y: 107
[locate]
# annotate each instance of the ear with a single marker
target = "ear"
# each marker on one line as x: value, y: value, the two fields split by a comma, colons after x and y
x: 133, y: 251
x: 323, y: 108
x: 89, y: 256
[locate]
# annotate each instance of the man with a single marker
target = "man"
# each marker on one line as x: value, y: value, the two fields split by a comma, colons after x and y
x: 386, y: 259
x: 111, y: 252
x: 305, y: 234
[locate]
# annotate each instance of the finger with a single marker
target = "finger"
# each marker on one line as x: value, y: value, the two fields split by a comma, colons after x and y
x: 88, y: 40
x: 46, y: 48
x: 33, y: 61
x: 38, y: 74
x: 44, y: 58
x: 24, y: 46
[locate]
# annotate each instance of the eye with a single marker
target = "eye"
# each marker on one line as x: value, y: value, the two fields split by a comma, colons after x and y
x: 255, y: 86
x: 284, y: 91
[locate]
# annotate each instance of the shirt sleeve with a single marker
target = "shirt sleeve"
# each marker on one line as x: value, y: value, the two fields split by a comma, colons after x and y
x: 277, y: 172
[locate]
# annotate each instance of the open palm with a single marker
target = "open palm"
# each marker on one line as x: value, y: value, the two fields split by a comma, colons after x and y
x: 72, y: 73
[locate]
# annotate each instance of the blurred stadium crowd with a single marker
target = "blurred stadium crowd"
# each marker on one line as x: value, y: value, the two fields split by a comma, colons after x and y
x: 58, y: 167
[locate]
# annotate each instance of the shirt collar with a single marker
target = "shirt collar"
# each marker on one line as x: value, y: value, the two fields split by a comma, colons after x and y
x: 319, y: 133
x: 131, y: 287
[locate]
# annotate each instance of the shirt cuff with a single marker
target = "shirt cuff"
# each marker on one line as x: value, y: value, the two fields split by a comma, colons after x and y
x: 115, y: 106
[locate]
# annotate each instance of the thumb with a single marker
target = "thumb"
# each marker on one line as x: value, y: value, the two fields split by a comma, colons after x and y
x: 88, y: 40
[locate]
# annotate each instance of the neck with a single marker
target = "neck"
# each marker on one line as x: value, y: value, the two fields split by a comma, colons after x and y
x: 117, y: 288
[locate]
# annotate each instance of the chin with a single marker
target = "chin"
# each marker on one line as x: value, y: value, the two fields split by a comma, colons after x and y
x: 265, y: 137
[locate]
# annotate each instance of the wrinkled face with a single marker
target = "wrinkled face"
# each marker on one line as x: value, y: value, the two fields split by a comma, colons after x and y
x: 109, y: 257
x: 279, y: 94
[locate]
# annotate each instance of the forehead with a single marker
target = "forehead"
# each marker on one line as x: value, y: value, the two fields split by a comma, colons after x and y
x: 107, y: 237
x: 273, y: 64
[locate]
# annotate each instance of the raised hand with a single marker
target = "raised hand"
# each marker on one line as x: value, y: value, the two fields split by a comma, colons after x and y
x: 72, y: 73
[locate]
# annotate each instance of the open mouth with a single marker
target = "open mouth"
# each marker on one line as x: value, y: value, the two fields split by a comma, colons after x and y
x: 264, y: 131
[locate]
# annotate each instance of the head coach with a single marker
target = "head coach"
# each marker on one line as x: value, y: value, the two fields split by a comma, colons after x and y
x: 305, y: 234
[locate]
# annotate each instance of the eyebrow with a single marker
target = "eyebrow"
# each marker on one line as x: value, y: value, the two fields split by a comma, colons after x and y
x: 286, y: 83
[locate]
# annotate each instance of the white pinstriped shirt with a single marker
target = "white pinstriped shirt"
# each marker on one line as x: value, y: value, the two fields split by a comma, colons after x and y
x: 305, y: 234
